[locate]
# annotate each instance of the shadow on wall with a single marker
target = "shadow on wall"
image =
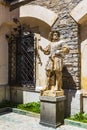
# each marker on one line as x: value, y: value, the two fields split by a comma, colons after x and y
x: 68, y: 82
x: 69, y: 87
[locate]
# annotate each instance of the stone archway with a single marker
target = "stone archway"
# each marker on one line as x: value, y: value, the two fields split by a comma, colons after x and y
x: 38, y: 12
x: 41, y: 19
x: 79, y: 14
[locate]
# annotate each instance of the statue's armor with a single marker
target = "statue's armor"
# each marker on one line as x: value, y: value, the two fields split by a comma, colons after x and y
x: 56, y: 62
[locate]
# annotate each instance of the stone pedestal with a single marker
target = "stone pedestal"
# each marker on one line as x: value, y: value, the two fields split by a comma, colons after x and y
x: 52, y: 93
x: 52, y: 110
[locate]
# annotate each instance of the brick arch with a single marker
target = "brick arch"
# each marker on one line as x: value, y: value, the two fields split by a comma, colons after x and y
x: 39, y: 12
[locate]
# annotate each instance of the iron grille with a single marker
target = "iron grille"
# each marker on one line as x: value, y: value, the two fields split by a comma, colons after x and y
x: 22, y: 58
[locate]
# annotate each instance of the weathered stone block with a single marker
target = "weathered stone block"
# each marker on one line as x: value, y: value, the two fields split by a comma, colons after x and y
x: 52, y: 110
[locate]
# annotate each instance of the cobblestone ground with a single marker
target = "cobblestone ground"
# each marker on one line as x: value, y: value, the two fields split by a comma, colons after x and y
x: 14, y: 121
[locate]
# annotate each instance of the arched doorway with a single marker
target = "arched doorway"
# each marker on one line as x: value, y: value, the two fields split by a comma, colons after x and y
x: 43, y: 20
x: 41, y: 23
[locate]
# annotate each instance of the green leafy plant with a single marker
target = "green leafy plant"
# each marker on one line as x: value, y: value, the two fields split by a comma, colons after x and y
x: 81, y: 117
x: 33, y: 107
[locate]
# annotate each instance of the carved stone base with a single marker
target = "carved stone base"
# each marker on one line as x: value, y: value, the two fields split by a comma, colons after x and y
x: 52, y: 110
x: 52, y: 93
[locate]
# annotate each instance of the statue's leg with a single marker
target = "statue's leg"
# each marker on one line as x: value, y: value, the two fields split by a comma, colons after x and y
x: 60, y: 82
x: 58, y: 86
x: 48, y: 74
x: 52, y: 81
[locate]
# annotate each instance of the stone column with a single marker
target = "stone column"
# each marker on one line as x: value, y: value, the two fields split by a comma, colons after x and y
x: 3, y: 60
x: 5, y: 16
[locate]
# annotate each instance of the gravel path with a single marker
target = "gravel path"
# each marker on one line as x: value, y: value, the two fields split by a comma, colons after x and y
x: 14, y: 121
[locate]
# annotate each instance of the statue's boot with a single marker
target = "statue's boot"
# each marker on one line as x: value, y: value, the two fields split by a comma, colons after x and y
x: 45, y: 88
x: 42, y: 90
x: 52, y: 88
x: 59, y: 89
x: 56, y: 89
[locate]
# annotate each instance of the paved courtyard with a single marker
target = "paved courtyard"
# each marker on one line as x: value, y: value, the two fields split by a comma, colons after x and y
x: 14, y: 121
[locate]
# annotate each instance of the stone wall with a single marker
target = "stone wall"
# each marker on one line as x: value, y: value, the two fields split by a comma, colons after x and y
x: 5, y: 17
x: 68, y: 29
x: 23, y: 95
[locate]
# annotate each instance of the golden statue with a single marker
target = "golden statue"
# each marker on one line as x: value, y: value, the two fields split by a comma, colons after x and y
x: 56, y: 51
